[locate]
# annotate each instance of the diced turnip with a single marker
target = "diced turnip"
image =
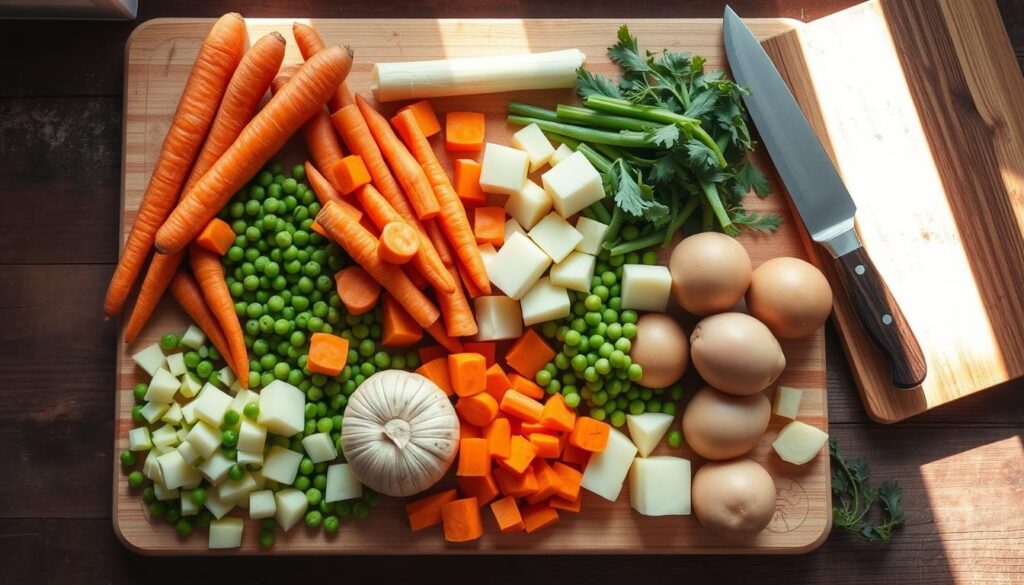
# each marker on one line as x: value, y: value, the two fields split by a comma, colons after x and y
x: 251, y: 436
x: 555, y: 236
x: 517, y: 266
x: 660, y: 486
x: 175, y: 471
x: 234, y: 490
x: 193, y: 337
x: 503, y: 169
x: 216, y: 467
x: 176, y: 364
x: 226, y: 376
x: 574, y: 272
x: 647, y: 429
x: 173, y: 415
x: 190, y: 385
x: 164, y: 437
x: 262, y: 504
x: 498, y: 317
x: 531, y: 140
x: 528, y: 205
x: 573, y: 184
x: 607, y: 470
x: 205, y: 438
x: 250, y: 458
x: 139, y: 439
x: 188, y: 452
x: 162, y: 387
x: 512, y: 226
x: 151, y: 467
x: 281, y: 465
x: 212, y: 404
x: 593, y: 235
x: 342, y: 484
x: 645, y: 288
x: 226, y: 533
x: 152, y: 411
x: 787, y: 401
x: 291, y: 507
x: 799, y: 442
x: 188, y: 507
x: 150, y: 359
x: 319, y: 447
x: 544, y: 302
x: 561, y: 153
x: 282, y: 409
x: 217, y: 506
x: 487, y: 252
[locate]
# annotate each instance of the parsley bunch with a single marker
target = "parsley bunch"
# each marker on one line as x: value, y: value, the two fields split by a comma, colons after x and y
x: 854, y: 497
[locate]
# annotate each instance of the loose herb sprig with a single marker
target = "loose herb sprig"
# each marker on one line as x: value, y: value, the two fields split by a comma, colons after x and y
x: 854, y: 497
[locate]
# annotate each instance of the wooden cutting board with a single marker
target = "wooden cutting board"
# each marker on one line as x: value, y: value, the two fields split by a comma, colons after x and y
x: 920, y: 104
x: 159, y: 56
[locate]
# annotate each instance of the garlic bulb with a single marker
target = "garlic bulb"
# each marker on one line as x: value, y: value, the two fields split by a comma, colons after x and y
x: 400, y: 433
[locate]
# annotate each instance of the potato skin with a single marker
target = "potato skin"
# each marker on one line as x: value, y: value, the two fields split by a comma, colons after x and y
x: 735, y: 499
x: 790, y: 296
x: 720, y: 426
x: 736, y: 353
x: 661, y: 348
x: 710, y: 273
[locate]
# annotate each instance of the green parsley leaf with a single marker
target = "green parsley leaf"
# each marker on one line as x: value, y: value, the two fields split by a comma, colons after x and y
x: 588, y: 84
x: 631, y: 196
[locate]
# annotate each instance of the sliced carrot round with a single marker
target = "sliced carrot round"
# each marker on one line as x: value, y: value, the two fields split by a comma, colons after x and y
x: 399, y: 242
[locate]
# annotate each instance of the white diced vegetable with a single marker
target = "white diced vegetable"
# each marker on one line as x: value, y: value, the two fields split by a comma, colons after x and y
x: 217, y: 506
x: 498, y: 317
x: 205, y: 438
x: 176, y: 364
x: 152, y: 411
x: 593, y: 235
x: 194, y: 483
x: 212, y: 404
x: 162, y: 387
x: 607, y: 470
x: 188, y: 412
x: 164, y: 437
x: 188, y: 452
x: 787, y: 401
x: 528, y: 205
x: 151, y: 468
x: 188, y: 507
x: 175, y: 471
x: 512, y: 226
x: 660, y: 486
x: 215, y: 469
x: 164, y: 493
x: 573, y: 184
x: 319, y: 447
x: 799, y: 442
x: 516, y: 267
x: 150, y: 359
x: 575, y: 272
x: 235, y: 490
x: 182, y: 433
x: 226, y: 533
x: 531, y: 140
x: 250, y: 457
x: 647, y: 429
x: 282, y: 409
x: 193, y: 337
x: 281, y: 465
x: 226, y: 376
x: 544, y: 302
x: 503, y: 169
x: 262, y: 504
x: 561, y: 153
x: 291, y: 507
x: 487, y: 252
x: 645, y: 288
x: 173, y: 415
x: 243, y: 397
x: 190, y: 385
x: 251, y: 436
x: 555, y: 236
x: 342, y: 484
x: 139, y: 439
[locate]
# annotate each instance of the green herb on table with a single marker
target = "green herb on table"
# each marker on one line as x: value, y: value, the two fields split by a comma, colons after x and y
x: 854, y: 497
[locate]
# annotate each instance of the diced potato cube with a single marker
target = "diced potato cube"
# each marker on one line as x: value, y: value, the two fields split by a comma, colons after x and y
x: 212, y: 404
x: 574, y: 272
x: 487, y: 252
x: 498, y: 317
x: 319, y: 447
x: 799, y: 442
x: 188, y: 507
x: 205, y: 438
x: 573, y: 184
x: 555, y: 236
x: 281, y: 465
x: 175, y: 471
x: 164, y: 493
x: 561, y: 153
x: 152, y: 411
x: 242, y: 397
x: 342, y: 484
x: 165, y: 436
x: 226, y: 376
x: 182, y: 433
x: 162, y: 387
x: 787, y: 401
x: 150, y: 359
x: 151, y: 468
x: 531, y: 140
x: 512, y: 226
x: 282, y: 408
x: 291, y: 507
x: 139, y: 439
x: 544, y: 302
x: 593, y: 233
x: 215, y: 469
x: 235, y: 490
x: 251, y: 436
x: 226, y: 533
x: 188, y: 452
x: 250, y: 457
x: 660, y: 486
x: 190, y: 385
x: 188, y: 412
x: 217, y: 506
x: 607, y: 470
x: 176, y: 364
x: 645, y: 288
x: 193, y: 337
x: 528, y: 205
x: 503, y: 169
x: 173, y: 415
x: 516, y: 267
x: 262, y: 504
x: 647, y: 429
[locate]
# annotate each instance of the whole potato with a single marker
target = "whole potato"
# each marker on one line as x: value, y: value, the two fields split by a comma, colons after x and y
x: 710, y: 273
x: 721, y: 426
x: 733, y: 498
x: 790, y: 296
x: 736, y: 353
x: 661, y: 349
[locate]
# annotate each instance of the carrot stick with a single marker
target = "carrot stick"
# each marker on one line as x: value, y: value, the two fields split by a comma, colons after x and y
x: 458, y: 317
x: 210, y: 276
x: 361, y: 246
x: 452, y: 218
x: 440, y: 244
x: 426, y: 261
x: 309, y: 43
x: 186, y: 291
x: 297, y: 101
x: 217, y: 59
x: 241, y: 99
x: 317, y: 133
x: 326, y: 192
x: 412, y: 178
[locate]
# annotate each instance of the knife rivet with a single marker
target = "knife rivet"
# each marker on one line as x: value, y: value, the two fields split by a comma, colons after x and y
x: 887, y: 319
x: 860, y: 270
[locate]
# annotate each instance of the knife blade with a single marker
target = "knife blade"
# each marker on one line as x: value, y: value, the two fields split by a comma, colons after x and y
x: 821, y: 199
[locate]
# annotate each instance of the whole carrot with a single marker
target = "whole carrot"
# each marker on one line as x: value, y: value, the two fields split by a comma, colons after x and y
x: 361, y: 246
x: 186, y: 291
x: 309, y: 43
x: 217, y: 59
x: 297, y: 101
x: 440, y: 244
x: 458, y: 317
x: 325, y: 192
x: 210, y: 276
x: 241, y: 100
x: 452, y: 218
x: 317, y: 133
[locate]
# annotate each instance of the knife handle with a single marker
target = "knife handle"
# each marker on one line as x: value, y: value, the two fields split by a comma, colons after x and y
x: 881, y: 317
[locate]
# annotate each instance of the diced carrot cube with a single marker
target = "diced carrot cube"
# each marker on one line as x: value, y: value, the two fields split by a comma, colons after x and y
x: 478, y: 409
x: 547, y: 445
x: 497, y: 382
x: 573, y: 454
x: 514, y: 403
x: 499, y: 438
x: 560, y: 503
x: 547, y: 481
x: 468, y: 431
x: 430, y: 353
x: 484, y: 348
x: 461, y: 519
x: 474, y: 458
x: 327, y: 354
x: 426, y: 119
x: 538, y: 516
x: 517, y: 485
x: 526, y: 386
x: 569, y: 487
x: 217, y: 236
x: 464, y: 131
x: 557, y: 415
x: 521, y: 454
x: 467, y: 372
x: 426, y: 512
x: 484, y: 488
x: 506, y: 513
x: 400, y: 329
x: 467, y: 182
x: 436, y: 371
x: 527, y: 429
x: 529, y: 354
x: 350, y: 173
x: 590, y: 434
x: 489, y: 225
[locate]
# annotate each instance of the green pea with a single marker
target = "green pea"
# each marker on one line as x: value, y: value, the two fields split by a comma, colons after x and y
x: 675, y: 439
x: 636, y: 407
x: 653, y: 405
x: 158, y: 509
x: 169, y: 341
x: 331, y: 524
x: 360, y: 510
x: 608, y: 278
x: 382, y: 360
x: 579, y: 363
x: 281, y: 370
x: 618, y: 418
x: 572, y: 338
x: 267, y: 536
x: 135, y: 479
x: 229, y: 438
x: 624, y: 345
x: 251, y: 411
x: 630, y: 233
x: 592, y: 303
x: 598, y: 413
x: 646, y: 394
x: 231, y: 418
x: 235, y: 472
x: 367, y: 369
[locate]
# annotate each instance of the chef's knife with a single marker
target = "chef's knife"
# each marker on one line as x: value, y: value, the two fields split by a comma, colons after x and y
x: 821, y: 199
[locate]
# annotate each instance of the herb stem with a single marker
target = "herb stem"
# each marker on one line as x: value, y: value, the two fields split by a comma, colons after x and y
x: 600, y: 212
x: 715, y: 203
x: 637, y: 244
x: 613, y: 227
x: 623, y: 139
x: 594, y: 118
x: 521, y: 109
x: 603, y: 165
x: 680, y: 220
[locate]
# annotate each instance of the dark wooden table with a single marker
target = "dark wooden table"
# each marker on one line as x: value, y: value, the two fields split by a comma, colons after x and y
x: 961, y: 467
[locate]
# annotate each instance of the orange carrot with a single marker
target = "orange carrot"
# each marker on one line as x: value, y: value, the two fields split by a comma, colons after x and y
x: 461, y: 520
x: 483, y: 488
x: 560, y: 503
x: 547, y: 446
x: 468, y: 431
x: 327, y: 354
x: 497, y: 382
x: 526, y: 387
x: 400, y: 330
x: 516, y: 485
x: 361, y: 246
x: 158, y: 276
x: 425, y: 117
x: 557, y: 415
x: 478, y: 409
x: 349, y: 173
x: 499, y: 437
x: 538, y: 516
x: 529, y: 354
x: 309, y: 43
x: 218, y: 57
x: 437, y: 331
x: 484, y: 348
x: 408, y: 172
x: 571, y: 480
x: 474, y: 459
x: 436, y: 236
x: 521, y: 454
x: 452, y: 217
x: 547, y: 480
x: 217, y: 236
x: 437, y: 372
x: 575, y: 455
x: 429, y: 353
x: 426, y: 512
x: 528, y: 428
x: 459, y: 319
x: 398, y: 243
x: 489, y: 225
x: 210, y: 276
x: 464, y: 131
x: 326, y: 192
x: 297, y: 101
x: 317, y: 133
x: 514, y: 403
x: 186, y: 291
x: 471, y: 290
x: 357, y: 290
x: 467, y: 182
x: 467, y: 373
x: 589, y: 434
x: 427, y: 262
x: 506, y: 513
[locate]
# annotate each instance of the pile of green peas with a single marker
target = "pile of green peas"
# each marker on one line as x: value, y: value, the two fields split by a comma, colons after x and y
x: 592, y: 367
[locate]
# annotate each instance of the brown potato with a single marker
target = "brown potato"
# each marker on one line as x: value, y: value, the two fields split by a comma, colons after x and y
x: 661, y: 349
x: 721, y: 426
x: 710, y: 273
x: 733, y: 498
x: 790, y: 296
x: 736, y: 353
